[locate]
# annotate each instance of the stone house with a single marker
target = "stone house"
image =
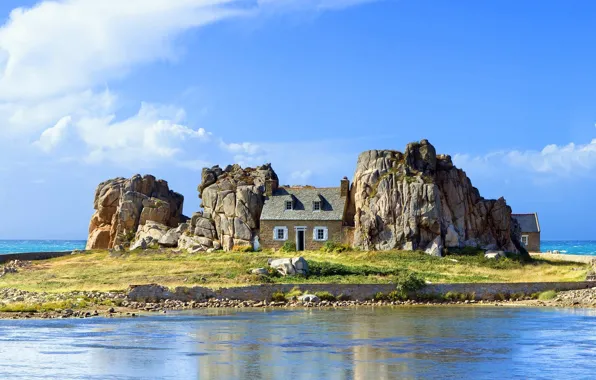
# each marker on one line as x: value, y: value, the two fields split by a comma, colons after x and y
x: 530, y: 231
x: 305, y: 215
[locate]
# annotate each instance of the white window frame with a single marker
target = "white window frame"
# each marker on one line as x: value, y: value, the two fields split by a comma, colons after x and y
x: 315, y: 233
x: 276, y: 233
x: 526, y: 238
x: 319, y: 203
x: 286, y: 205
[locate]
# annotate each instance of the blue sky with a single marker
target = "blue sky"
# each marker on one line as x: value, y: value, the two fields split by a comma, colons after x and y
x: 94, y: 90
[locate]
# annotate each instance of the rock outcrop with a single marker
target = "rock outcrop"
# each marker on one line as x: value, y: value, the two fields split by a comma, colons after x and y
x: 232, y: 201
x: 122, y: 205
x: 420, y: 200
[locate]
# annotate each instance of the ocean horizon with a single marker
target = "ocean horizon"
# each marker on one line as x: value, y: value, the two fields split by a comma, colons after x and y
x: 571, y: 247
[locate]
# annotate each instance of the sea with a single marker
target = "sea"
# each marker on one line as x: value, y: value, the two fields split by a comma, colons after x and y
x: 434, y: 342
x: 572, y: 247
x: 19, y: 246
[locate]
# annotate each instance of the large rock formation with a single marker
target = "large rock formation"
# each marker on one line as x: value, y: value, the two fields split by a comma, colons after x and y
x: 232, y: 201
x: 419, y: 200
x: 122, y: 205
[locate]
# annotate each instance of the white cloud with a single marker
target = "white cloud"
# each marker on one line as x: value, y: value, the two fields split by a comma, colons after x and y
x: 51, y: 137
x: 241, y: 148
x: 553, y: 160
x: 26, y: 117
x: 154, y: 133
x: 55, y: 56
x: 60, y: 46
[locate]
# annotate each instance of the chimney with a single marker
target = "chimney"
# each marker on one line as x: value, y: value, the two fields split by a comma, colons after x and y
x: 270, y: 187
x: 344, y: 187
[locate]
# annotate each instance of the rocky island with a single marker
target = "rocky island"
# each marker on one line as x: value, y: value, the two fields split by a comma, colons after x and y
x: 410, y: 228
x: 415, y: 200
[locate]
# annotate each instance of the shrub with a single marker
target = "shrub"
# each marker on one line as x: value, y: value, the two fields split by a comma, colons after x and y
x: 127, y: 237
x: 548, y: 295
x: 272, y: 272
x: 380, y: 297
x: 393, y: 296
x: 451, y: 296
x: 325, y: 296
x: 409, y: 282
x: 294, y: 293
x: 332, y: 247
x: 288, y: 247
x: 325, y: 268
x: 499, y: 297
x: 242, y: 248
x: 518, y: 296
x: 466, y: 251
x: 278, y: 297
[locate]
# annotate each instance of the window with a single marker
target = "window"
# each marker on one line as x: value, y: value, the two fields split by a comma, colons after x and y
x: 320, y: 234
x: 524, y: 240
x: 316, y: 206
x: 288, y: 205
x: 280, y: 233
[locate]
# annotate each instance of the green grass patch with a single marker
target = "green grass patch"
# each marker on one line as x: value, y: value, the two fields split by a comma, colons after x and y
x: 548, y: 295
x: 104, y: 271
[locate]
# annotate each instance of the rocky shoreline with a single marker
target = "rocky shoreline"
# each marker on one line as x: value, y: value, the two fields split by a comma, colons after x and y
x: 116, y: 304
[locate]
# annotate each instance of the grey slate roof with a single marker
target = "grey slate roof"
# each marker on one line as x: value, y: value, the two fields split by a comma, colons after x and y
x: 528, y: 222
x: 332, y: 204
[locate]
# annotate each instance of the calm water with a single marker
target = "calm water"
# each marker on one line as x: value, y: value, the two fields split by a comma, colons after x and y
x: 16, y: 246
x: 381, y: 343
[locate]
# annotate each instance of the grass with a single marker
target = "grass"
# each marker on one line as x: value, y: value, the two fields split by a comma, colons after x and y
x: 548, y: 295
x: 103, y: 271
x: 23, y: 307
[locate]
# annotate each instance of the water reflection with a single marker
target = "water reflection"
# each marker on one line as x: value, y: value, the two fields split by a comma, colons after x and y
x: 366, y: 343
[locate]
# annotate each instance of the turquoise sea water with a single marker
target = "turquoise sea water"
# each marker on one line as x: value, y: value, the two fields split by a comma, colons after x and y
x: 339, y: 344
x: 572, y: 247
x: 17, y: 246
x: 577, y: 247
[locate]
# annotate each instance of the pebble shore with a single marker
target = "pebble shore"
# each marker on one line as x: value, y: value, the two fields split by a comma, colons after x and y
x: 116, y: 304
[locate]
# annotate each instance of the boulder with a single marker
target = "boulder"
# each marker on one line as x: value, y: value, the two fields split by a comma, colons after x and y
x: 260, y: 271
x: 121, y: 205
x: 290, y: 267
x: 494, y: 255
x: 151, y: 231
x: 435, y: 248
x: 170, y: 238
x: 232, y: 201
x: 141, y: 243
x: 418, y: 200
x: 194, y: 244
x: 311, y: 298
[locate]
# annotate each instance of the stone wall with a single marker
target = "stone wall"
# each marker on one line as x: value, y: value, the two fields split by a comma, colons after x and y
x: 334, y: 232
x: 487, y: 291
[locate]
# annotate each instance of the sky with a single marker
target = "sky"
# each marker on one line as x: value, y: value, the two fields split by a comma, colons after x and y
x: 94, y: 90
